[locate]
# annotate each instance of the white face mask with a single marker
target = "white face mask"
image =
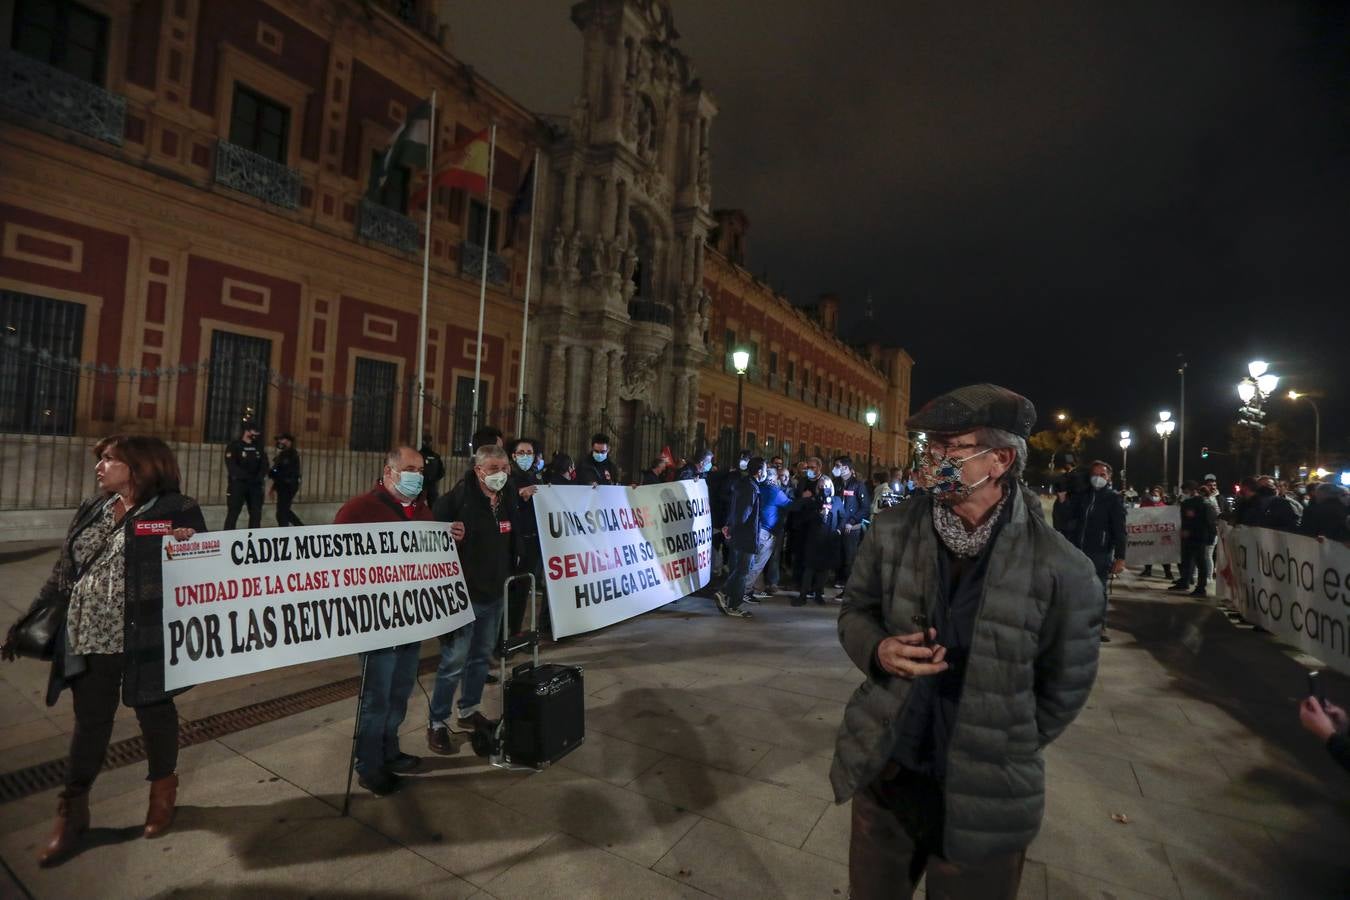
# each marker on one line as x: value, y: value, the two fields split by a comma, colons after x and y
x: 837, y: 472
x: 743, y: 464
x: 496, y: 481
x: 1098, y: 482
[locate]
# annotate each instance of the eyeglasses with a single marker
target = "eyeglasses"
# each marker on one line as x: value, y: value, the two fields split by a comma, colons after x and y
x: 937, y: 448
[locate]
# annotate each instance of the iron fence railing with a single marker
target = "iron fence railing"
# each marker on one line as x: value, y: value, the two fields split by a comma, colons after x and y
x: 45, y: 92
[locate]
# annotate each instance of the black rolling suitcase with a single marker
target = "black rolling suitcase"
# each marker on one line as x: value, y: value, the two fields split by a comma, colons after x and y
x: 544, y: 711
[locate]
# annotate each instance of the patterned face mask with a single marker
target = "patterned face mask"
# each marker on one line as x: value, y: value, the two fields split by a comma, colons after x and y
x: 941, y: 475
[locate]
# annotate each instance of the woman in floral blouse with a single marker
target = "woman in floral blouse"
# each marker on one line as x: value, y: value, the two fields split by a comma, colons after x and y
x: 108, y: 579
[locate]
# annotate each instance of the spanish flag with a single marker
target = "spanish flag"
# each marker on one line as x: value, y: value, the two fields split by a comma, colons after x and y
x: 466, y: 167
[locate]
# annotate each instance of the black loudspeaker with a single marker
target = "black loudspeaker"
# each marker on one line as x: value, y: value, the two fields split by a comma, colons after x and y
x: 545, y: 712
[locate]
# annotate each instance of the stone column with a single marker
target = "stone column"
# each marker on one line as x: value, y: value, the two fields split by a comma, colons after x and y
x: 569, y: 201
x: 615, y: 380
x: 692, y: 414
x: 557, y: 380
x: 576, y: 377
x: 599, y: 375
x: 609, y: 202
x: 680, y: 414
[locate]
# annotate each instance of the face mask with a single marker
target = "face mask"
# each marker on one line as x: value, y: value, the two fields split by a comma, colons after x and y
x: 837, y: 472
x: 496, y: 481
x: 1098, y: 482
x: 1155, y: 498
x: 942, y: 476
x: 743, y: 464
x: 895, y: 486
x: 525, y: 461
x: 910, y: 484
x: 706, y: 467
x: 812, y: 474
x: 1302, y: 490
x: 539, y: 464
x: 599, y: 457
x: 409, y: 484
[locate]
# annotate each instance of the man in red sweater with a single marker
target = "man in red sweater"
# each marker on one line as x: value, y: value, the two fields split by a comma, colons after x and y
x: 391, y: 672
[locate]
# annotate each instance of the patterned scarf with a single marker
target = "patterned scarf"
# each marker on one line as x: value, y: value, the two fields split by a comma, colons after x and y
x: 963, y: 543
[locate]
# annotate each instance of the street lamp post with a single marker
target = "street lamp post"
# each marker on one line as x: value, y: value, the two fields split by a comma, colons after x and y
x: 741, y: 360
x: 1165, y: 427
x: 871, y: 417
x: 1253, y: 390
x: 1124, y: 457
x: 1317, y: 427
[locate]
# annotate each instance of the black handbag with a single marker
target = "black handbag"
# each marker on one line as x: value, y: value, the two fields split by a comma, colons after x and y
x: 34, y: 636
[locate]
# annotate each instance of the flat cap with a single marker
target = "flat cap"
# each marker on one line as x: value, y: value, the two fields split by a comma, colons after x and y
x: 976, y: 406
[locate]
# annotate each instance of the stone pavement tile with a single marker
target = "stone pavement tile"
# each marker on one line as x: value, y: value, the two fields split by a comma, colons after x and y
x: 1096, y: 719
x: 1124, y: 860
x: 764, y: 809
x: 20, y: 733
x: 1033, y: 885
x: 1176, y: 751
x: 234, y: 809
x: 726, y: 862
x: 1067, y: 764
x: 805, y: 773
x: 567, y: 867
x: 1273, y: 873
x: 803, y: 733
x: 711, y: 746
x: 830, y: 837
x: 717, y: 689
x: 811, y: 686
x: 610, y: 758
x: 625, y: 823
x: 1061, y: 884
x: 287, y: 727
x: 460, y: 831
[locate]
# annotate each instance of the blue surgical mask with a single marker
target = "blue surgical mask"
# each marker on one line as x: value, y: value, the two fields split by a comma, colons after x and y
x: 762, y: 476
x: 598, y: 456
x: 706, y: 467
x: 409, y: 484
x: 743, y: 464
x: 837, y: 472
x: 812, y: 474
x: 525, y: 461
x: 539, y: 464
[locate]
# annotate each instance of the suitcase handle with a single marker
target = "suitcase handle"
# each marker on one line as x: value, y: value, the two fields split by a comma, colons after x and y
x: 522, y: 669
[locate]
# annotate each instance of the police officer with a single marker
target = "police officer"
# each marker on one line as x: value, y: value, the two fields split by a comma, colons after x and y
x: 245, y: 464
x: 285, y: 475
x: 857, y: 506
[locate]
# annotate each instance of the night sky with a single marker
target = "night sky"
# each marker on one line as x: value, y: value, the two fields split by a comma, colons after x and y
x: 1060, y: 197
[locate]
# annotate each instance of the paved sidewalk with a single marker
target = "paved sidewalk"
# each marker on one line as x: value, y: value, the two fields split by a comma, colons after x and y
x: 704, y: 773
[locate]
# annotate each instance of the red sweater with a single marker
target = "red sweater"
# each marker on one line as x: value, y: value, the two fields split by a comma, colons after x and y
x: 380, y: 506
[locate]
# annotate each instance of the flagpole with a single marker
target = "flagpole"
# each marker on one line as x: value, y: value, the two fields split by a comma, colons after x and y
x: 482, y: 281
x: 525, y: 317
x: 426, y: 283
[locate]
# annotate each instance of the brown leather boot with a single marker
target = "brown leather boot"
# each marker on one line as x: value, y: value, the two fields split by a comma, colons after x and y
x: 72, y: 820
x: 163, y: 797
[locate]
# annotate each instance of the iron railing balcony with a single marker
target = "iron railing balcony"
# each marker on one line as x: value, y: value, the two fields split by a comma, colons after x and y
x: 651, y: 311
x: 389, y: 227
x: 242, y: 170
x: 45, y: 92
x: 471, y: 264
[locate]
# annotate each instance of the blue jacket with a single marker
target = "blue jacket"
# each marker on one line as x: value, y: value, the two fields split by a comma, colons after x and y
x: 772, y: 499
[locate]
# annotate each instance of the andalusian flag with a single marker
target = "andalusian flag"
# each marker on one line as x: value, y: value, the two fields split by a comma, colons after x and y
x: 466, y: 167
x: 408, y: 147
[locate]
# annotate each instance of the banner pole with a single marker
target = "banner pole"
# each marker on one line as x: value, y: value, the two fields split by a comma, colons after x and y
x: 418, y: 417
x: 525, y: 317
x: 482, y: 280
x: 356, y: 731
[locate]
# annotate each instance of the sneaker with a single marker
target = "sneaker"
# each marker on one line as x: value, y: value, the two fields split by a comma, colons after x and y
x: 721, y: 599
x: 1106, y: 638
x: 819, y: 599
x: 739, y: 612
x: 438, y: 740
x: 752, y: 598
x: 475, y: 722
x: 381, y: 784
x: 1199, y: 592
x: 1180, y: 587
x: 404, y: 763
x: 761, y: 595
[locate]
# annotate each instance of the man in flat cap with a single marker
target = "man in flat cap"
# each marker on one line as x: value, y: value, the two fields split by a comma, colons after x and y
x: 976, y: 625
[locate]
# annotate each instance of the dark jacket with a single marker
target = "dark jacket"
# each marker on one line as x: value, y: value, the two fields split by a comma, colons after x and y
x: 591, y: 472
x: 523, y: 524
x: 380, y: 506
x: 1030, y: 667
x: 285, y: 470
x: 245, y: 462
x: 1097, y: 526
x: 650, y: 477
x: 688, y: 472
x: 1326, y: 517
x: 856, y: 498
x: 1270, y: 511
x: 743, y: 515
x: 487, y: 550
x: 820, y: 536
x: 720, y: 485
x: 143, y: 637
x: 1199, y: 521
x: 433, y: 470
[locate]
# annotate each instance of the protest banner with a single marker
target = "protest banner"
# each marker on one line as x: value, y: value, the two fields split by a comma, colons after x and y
x: 1295, y: 587
x: 611, y: 553
x: 237, y: 602
x: 1153, y: 535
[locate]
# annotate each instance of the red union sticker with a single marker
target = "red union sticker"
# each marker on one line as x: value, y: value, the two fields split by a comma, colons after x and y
x: 155, y: 527
x: 848, y: 493
x: 504, y: 527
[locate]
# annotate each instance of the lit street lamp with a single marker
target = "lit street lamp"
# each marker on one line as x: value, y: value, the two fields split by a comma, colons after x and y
x: 1253, y: 390
x: 1124, y: 457
x: 1165, y: 426
x: 1317, y: 426
x: 871, y: 417
x: 741, y: 360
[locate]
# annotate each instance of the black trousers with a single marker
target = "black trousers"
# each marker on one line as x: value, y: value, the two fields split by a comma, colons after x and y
x: 518, y: 602
x: 848, y: 549
x: 241, y: 492
x: 897, y: 837
x: 285, y: 497
x: 97, y: 693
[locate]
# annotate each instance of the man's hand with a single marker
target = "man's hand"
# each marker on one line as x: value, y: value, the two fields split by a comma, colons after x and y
x: 457, y: 530
x: 1316, y: 719
x: 1337, y: 717
x: 726, y: 532
x: 905, y: 655
x: 528, y: 491
x: 1117, y: 567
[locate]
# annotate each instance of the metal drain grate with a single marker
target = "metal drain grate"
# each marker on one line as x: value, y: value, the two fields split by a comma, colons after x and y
x: 44, y: 776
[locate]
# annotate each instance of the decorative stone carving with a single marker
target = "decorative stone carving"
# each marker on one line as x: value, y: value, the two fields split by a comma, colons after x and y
x: 557, y: 252
x: 630, y: 261
x: 638, y: 377
x: 580, y: 123
x: 574, y: 258
x: 704, y: 177
x: 630, y: 112
x: 598, y: 258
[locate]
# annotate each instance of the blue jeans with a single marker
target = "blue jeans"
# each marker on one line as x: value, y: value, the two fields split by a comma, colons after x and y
x: 466, y: 653
x: 390, y: 674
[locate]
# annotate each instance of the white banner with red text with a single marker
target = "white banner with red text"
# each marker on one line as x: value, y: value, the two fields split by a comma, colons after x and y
x: 611, y: 553
x: 238, y: 602
x: 1294, y: 586
x: 1153, y: 535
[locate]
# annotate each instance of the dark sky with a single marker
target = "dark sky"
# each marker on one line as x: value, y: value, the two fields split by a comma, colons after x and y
x: 1059, y: 197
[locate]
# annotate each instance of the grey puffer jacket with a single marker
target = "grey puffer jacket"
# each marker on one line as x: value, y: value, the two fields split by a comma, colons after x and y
x: 1032, y: 661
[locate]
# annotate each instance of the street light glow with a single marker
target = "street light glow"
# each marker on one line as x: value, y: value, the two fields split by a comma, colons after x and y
x: 1267, y: 383
x: 871, y: 417
x: 1257, y: 367
x: 1164, y: 416
x: 1124, y: 443
x: 1246, y: 391
x: 1125, y: 433
x: 741, y: 360
x: 1062, y: 416
x: 1294, y: 395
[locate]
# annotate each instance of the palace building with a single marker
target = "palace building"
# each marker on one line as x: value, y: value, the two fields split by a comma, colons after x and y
x: 188, y: 238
